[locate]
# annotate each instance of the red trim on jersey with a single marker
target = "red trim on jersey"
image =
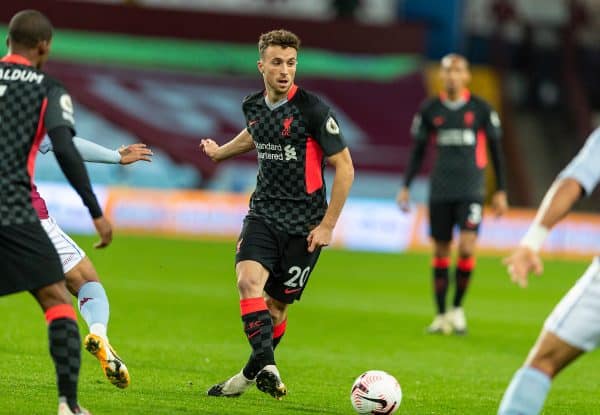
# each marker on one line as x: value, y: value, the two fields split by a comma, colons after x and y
x: 37, y: 140
x: 313, y: 174
x: 252, y: 305
x: 465, y: 94
x: 36, y: 200
x: 441, y: 262
x: 292, y: 92
x: 60, y: 311
x: 466, y: 264
x: 18, y: 59
x: 481, y: 149
x: 279, y: 329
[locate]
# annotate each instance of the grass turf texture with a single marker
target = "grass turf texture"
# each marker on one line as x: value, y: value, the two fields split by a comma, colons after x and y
x: 175, y: 320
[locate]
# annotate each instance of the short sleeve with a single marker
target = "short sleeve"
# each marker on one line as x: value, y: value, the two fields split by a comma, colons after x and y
x: 584, y: 168
x: 59, y: 110
x: 327, y: 131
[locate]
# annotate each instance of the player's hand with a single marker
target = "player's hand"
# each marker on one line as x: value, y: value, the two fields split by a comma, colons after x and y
x: 319, y: 237
x: 500, y: 203
x: 403, y: 199
x: 521, y: 263
x: 210, y: 148
x: 104, y: 229
x: 135, y: 152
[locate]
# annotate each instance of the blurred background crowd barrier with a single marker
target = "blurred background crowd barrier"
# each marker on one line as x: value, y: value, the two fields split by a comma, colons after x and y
x: 170, y: 72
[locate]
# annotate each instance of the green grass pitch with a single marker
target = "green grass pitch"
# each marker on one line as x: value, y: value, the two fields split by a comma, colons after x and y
x: 175, y: 320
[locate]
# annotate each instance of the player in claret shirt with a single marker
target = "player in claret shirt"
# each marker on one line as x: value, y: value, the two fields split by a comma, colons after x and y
x: 289, y: 221
x: 463, y: 127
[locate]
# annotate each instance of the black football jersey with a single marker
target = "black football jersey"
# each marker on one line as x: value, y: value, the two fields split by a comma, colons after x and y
x: 462, y: 134
x: 31, y: 103
x: 292, y: 141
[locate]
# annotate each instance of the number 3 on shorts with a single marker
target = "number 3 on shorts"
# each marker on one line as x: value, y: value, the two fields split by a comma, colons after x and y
x: 474, y: 213
x: 299, y: 277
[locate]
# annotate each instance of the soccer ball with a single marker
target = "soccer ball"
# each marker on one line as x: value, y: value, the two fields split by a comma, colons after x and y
x: 376, y: 392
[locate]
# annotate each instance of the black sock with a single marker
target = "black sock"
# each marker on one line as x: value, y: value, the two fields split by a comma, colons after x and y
x: 65, y: 349
x: 440, y: 282
x: 258, y: 327
x: 464, y: 268
x: 253, y: 366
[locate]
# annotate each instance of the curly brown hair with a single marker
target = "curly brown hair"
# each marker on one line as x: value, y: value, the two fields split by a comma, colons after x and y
x: 281, y: 37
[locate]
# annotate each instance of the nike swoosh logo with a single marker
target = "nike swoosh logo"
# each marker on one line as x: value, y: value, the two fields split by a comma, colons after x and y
x: 251, y: 123
x: 253, y: 334
x: 291, y: 291
x: 381, y: 402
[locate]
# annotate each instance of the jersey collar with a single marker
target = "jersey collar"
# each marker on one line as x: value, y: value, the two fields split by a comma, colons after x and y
x: 292, y: 92
x: 18, y: 59
x: 465, y: 95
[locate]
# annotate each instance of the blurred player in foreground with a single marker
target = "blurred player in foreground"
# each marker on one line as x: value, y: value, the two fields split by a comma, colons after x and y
x: 573, y: 327
x: 31, y: 104
x: 289, y: 220
x: 463, y: 127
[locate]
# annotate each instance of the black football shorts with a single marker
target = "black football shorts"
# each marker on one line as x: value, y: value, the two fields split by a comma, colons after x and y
x: 28, y: 260
x: 443, y: 216
x: 285, y: 256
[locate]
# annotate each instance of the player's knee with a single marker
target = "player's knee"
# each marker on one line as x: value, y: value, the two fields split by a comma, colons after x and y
x: 80, y: 274
x: 249, y: 286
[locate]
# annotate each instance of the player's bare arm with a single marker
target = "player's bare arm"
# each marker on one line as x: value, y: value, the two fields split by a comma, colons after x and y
x: 556, y: 204
x: 240, y: 144
x: 342, y: 182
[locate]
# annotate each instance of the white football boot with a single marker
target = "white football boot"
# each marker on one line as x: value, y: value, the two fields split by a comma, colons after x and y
x: 63, y: 409
x: 440, y: 325
x: 232, y: 387
x: 458, y: 320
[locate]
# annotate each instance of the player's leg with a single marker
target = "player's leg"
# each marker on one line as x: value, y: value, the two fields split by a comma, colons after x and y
x: 64, y: 341
x: 257, y: 254
x: 29, y: 263
x: 468, y: 216
x: 530, y: 385
x: 83, y: 282
x: 572, y: 328
x: 441, y: 223
x: 278, y: 311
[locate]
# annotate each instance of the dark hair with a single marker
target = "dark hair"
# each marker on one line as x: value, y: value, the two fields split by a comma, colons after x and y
x: 281, y: 37
x: 29, y: 27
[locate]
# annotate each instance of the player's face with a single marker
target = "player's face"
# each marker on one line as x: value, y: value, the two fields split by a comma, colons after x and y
x: 455, y: 75
x: 278, y: 68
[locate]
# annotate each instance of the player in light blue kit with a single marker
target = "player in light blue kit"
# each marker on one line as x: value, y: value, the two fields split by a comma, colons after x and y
x: 81, y: 276
x: 573, y: 327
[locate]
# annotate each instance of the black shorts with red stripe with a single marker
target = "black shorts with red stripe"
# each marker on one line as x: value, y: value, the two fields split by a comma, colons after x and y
x: 285, y: 256
x: 28, y: 260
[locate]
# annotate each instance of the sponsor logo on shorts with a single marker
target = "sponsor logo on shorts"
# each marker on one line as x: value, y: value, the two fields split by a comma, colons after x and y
x: 84, y: 300
x: 291, y: 290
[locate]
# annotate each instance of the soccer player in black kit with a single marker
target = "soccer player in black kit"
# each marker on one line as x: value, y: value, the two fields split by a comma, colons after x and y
x: 289, y: 219
x: 31, y: 104
x: 463, y: 127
